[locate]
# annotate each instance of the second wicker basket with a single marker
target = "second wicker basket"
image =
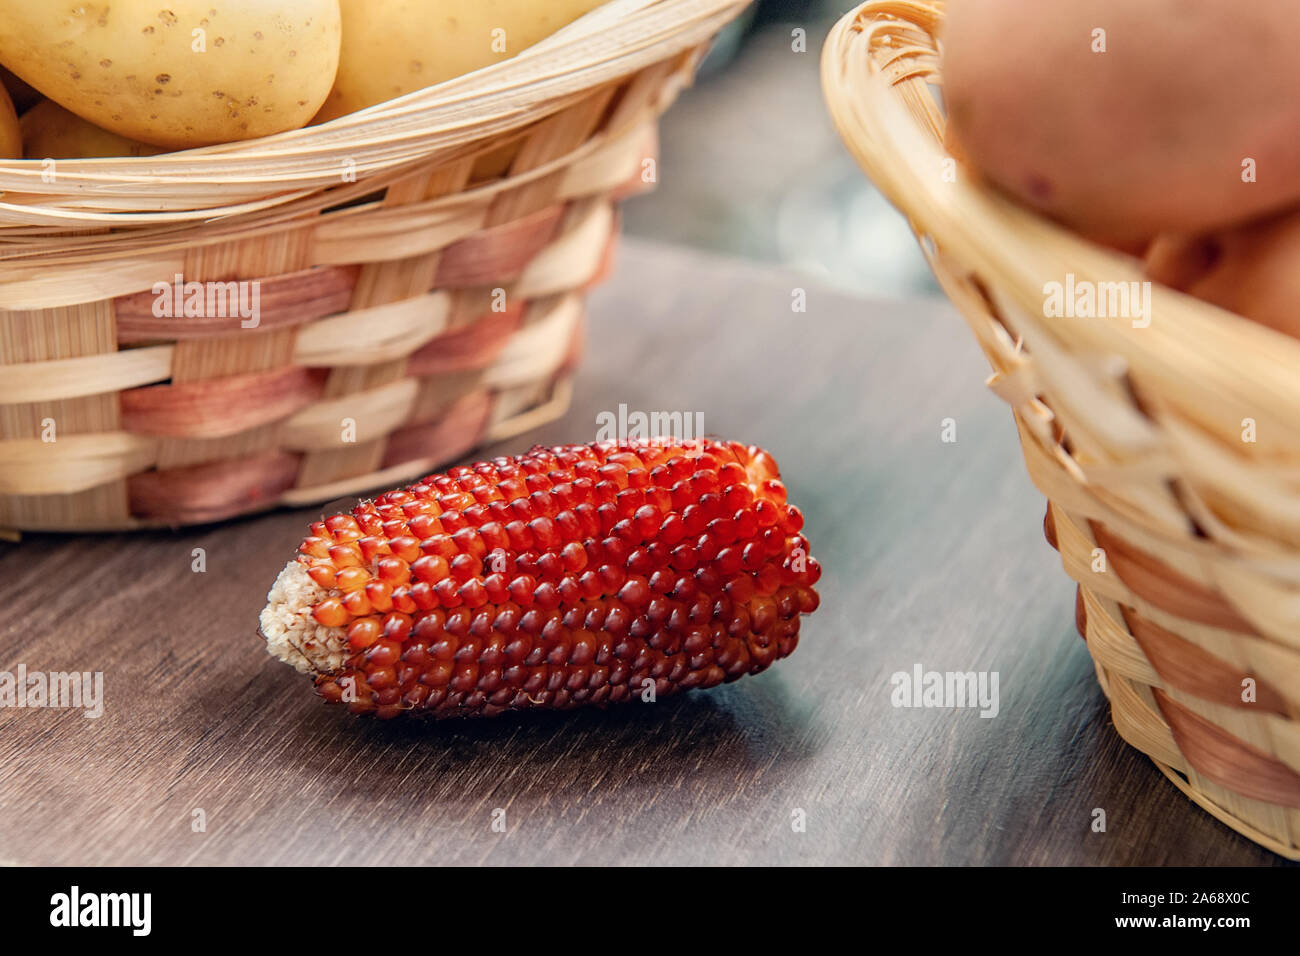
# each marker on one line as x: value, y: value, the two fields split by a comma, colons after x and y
x: 1170, y: 451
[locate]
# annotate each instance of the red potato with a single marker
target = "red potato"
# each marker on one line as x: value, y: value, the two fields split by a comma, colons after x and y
x: 1149, y: 135
x: 1253, y: 270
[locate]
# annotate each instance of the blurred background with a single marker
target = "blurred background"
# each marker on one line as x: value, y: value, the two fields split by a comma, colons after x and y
x: 751, y: 166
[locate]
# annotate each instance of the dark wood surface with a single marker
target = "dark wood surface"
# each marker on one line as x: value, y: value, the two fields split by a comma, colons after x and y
x: 933, y: 553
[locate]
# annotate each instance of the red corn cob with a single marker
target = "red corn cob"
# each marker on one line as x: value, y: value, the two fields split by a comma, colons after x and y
x: 568, y: 576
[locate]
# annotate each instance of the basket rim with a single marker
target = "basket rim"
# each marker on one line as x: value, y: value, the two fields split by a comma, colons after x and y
x: 1233, y: 360
x: 612, y: 41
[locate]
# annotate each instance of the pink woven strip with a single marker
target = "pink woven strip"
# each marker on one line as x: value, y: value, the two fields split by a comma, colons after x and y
x: 497, y: 255
x: 472, y: 347
x: 1164, y: 587
x: 212, y: 491
x: 1227, y: 760
x: 292, y: 299
x: 459, y: 429
x: 219, y: 407
x: 1187, y: 667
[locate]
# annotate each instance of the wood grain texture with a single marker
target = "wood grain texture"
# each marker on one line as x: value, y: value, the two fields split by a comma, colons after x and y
x: 933, y: 554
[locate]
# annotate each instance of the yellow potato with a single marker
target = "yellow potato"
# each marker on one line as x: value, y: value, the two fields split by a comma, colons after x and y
x: 392, y: 47
x: 1253, y: 270
x: 1125, y: 119
x: 51, y: 132
x: 11, y: 137
x: 181, y: 74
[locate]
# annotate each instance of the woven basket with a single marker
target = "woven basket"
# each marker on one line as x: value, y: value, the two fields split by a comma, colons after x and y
x: 419, y: 270
x: 1182, y: 533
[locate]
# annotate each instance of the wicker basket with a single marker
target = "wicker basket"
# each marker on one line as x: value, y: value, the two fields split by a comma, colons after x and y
x: 1182, y: 532
x: 418, y: 267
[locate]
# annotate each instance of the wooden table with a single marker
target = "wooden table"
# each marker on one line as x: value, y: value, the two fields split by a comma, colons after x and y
x: 933, y: 554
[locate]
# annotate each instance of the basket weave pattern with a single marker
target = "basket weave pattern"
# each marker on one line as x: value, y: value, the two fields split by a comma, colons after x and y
x: 1182, y: 534
x: 420, y: 270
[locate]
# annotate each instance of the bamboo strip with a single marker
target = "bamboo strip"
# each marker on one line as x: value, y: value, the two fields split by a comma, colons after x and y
x: 377, y: 334
x: 26, y: 288
x: 575, y: 257
x: 85, y: 375
x: 29, y: 466
x: 538, y: 348
x: 355, y: 417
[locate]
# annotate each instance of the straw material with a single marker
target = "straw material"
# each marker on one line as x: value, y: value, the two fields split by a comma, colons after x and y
x: 419, y: 270
x: 1170, y: 453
